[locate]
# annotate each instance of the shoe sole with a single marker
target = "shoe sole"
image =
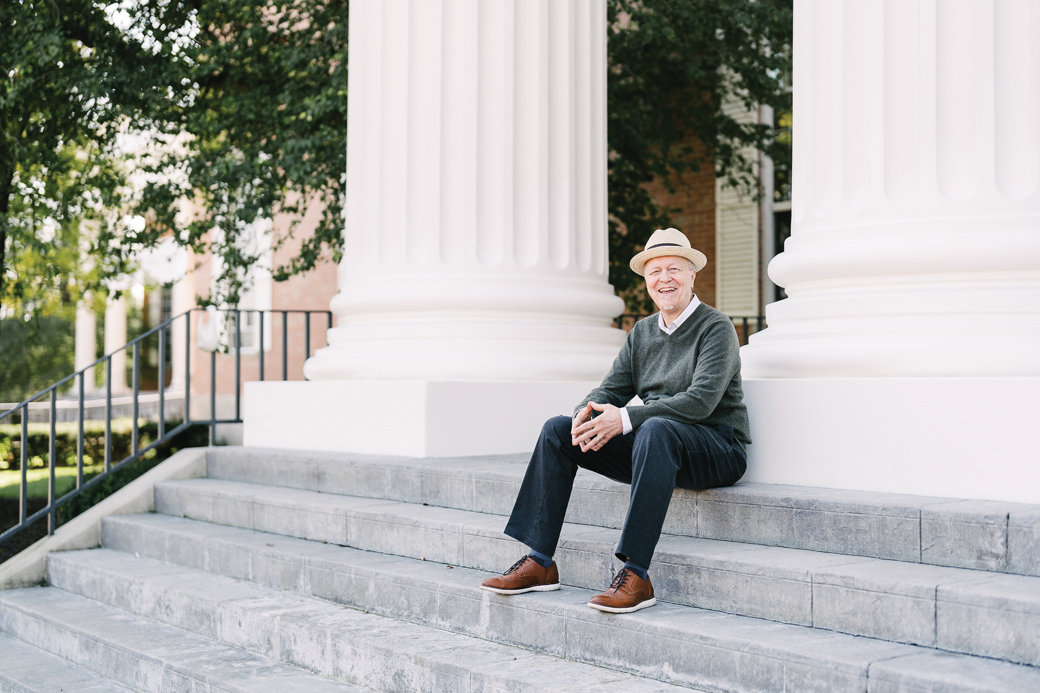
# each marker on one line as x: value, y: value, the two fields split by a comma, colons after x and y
x: 624, y: 609
x: 536, y: 588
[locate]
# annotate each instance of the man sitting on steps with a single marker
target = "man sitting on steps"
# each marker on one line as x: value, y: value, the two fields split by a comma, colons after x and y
x: 684, y: 363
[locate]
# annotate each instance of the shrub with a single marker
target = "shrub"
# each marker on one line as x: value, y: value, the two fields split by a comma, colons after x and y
x: 65, y: 442
x: 191, y: 437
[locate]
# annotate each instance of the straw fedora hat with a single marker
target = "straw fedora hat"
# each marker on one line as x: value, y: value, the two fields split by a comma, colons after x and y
x: 668, y: 242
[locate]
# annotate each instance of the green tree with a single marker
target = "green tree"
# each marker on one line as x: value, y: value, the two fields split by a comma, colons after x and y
x: 45, y: 280
x: 70, y: 83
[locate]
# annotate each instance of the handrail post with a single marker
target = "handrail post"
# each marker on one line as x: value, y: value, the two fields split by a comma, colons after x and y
x: 108, y: 413
x: 187, y: 367
x: 306, y: 335
x: 79, y: 437
x: 238, y: 364
x: 285, y: 345
x: 162, y: 383
x: 137, y: 389
x: 24, y: 493
x: 213, y: 397
x: 52, y: 463
x: 261, y: 345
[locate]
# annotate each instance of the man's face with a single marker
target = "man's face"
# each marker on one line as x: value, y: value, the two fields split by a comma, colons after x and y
x: 669, y: 281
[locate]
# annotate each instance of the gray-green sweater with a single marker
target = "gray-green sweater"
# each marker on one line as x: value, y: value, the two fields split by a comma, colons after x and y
x: 691, y: 376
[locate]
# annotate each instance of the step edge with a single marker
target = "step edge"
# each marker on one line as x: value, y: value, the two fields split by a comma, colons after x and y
x: 519, y: 652
x: 906, y: 636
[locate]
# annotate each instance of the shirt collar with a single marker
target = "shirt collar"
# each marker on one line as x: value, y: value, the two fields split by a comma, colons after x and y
x: 687, y: 312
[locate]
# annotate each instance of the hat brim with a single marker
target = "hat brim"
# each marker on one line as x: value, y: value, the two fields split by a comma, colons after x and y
x: 639, y: 260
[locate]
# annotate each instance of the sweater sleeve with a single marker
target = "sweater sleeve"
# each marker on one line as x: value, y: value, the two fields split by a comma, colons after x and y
x: 718, y: 361
x: 617, y: 387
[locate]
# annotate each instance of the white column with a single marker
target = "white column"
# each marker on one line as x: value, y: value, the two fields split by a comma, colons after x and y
x: 915, y: 248
x: 913, y: 269
x: 183, y: 299
x: 115, y: 337
x: 474, y: 300
x: 86, y: 343
x: 476, y: 228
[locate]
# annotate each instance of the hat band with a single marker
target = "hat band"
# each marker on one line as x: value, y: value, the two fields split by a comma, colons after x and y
x: 661, y: 245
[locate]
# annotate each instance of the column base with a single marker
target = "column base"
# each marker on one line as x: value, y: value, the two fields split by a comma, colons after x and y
x: 412, y: 418
x: 954, y: 437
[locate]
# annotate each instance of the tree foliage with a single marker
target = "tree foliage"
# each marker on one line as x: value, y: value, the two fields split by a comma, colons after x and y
x: 37, y: 352
x: 70, y: 81
x: 46, y: 279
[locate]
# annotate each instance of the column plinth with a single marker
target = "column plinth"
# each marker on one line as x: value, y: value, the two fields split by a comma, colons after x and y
x: 914, y: 255
x: 473, y: 326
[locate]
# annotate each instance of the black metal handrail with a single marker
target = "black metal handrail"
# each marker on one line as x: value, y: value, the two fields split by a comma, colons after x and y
x: 742, y: 324
x: 134, y: 345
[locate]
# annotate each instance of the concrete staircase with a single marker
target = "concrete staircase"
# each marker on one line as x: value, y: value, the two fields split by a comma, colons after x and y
x: 301, y: 571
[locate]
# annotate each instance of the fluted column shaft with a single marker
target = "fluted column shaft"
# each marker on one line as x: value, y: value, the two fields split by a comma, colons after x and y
x: 115, y: 338
x: 86, y: 343
x: 475, y: 244
x: 183, y: 300
x: 915, y: 247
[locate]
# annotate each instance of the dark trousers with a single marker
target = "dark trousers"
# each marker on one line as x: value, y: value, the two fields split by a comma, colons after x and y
x: 658, y: 456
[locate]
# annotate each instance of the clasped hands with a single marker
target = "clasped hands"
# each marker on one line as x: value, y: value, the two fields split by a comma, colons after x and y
x: 592, y: 434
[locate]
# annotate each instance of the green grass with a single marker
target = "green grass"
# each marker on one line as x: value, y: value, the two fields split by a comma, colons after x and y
x: 64, y: 481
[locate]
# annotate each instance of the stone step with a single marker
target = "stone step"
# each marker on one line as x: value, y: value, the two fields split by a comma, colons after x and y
x: 27, y: 669
x: 969, y: 611
x: 386, y: 654
x: 678, y: 644
x: 140, y: 653
x: 982, y: 535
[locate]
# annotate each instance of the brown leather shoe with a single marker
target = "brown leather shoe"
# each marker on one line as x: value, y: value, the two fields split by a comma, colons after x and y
x: 526, y: 575
x: 628, y: 592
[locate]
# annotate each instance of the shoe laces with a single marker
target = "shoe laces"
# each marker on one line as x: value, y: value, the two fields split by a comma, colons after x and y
x: 619, y: 579
x: 516, y: 565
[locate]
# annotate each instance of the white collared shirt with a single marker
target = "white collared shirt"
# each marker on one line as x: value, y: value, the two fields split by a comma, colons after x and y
x: 687, y: 312
x: 626, y: 421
